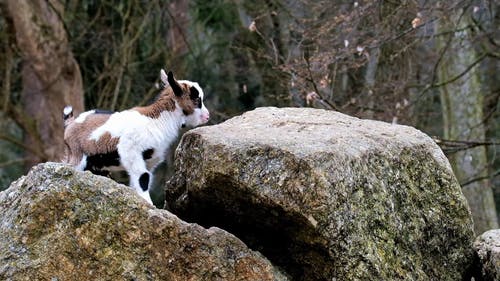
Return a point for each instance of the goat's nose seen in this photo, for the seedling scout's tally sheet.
(205, 117)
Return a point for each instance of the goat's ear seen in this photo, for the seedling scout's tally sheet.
(173, 83)
(163, 80)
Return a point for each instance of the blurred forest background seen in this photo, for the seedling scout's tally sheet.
(433, 65)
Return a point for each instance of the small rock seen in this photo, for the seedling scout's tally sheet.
(487, 247)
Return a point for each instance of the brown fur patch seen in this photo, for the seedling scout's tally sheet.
(76, 137)
(105, 144)
(185, 101)
(166, 102)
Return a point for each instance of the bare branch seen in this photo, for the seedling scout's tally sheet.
(466, 70)
(311, 79)
(6, 89)
(13, 162)
(21, 145)
(493, 175)
(452, 146)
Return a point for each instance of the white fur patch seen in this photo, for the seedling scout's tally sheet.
(163, 77)
(82, 163)
(81, 118)
(193, 84)
(67, 110)
(145, 195)
(121, 123)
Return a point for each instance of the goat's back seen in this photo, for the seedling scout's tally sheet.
(77, 134)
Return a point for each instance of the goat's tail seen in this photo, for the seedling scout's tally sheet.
(67, 115)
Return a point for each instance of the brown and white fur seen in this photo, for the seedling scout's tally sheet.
(134, 140)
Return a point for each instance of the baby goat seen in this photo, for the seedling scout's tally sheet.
(134, 140)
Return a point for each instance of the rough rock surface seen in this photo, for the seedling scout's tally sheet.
(59, 224)
(487, 247)
(324, 195)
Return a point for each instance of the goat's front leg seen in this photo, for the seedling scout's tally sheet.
(140, 177)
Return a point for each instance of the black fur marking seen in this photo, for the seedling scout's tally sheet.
(175, 86)
(195, 96)
(147, 154)
(185, 112)
(95, 163)
(193, 93)
(144, 181)
(103, 173)
(103, 111)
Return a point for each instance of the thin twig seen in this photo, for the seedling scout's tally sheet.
(496, 173)
(13, 161)
(311, 79)
(458, 76)
(464, 142)
(22, 145)
(453, 146)
(7, 77)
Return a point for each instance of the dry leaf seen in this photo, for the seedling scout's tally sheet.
(416, 22)
(252, 27)
(310, 97)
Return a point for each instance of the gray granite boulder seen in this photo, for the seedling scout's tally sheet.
(59, 224)
(326, 196)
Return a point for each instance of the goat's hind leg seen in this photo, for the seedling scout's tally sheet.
(140, 177)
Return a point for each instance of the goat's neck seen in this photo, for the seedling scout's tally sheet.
(172, 119)
(168, 123)
(165, 103)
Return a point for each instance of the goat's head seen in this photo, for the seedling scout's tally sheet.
(189, 97)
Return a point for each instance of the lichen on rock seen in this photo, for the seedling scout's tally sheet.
(60, 224)
(324, 195)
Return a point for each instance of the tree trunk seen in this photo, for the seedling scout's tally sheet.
(370, 80)
(462, 105)
(177, 35)
(50, 74)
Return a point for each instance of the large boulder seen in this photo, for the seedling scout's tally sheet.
(59, 224)
(487, 247)
(326, 196)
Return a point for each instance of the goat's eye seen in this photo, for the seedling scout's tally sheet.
(193, 93)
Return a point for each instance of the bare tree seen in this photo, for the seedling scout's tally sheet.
(462, 107)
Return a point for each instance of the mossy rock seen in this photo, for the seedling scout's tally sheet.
(324, 195)
(60, 224)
